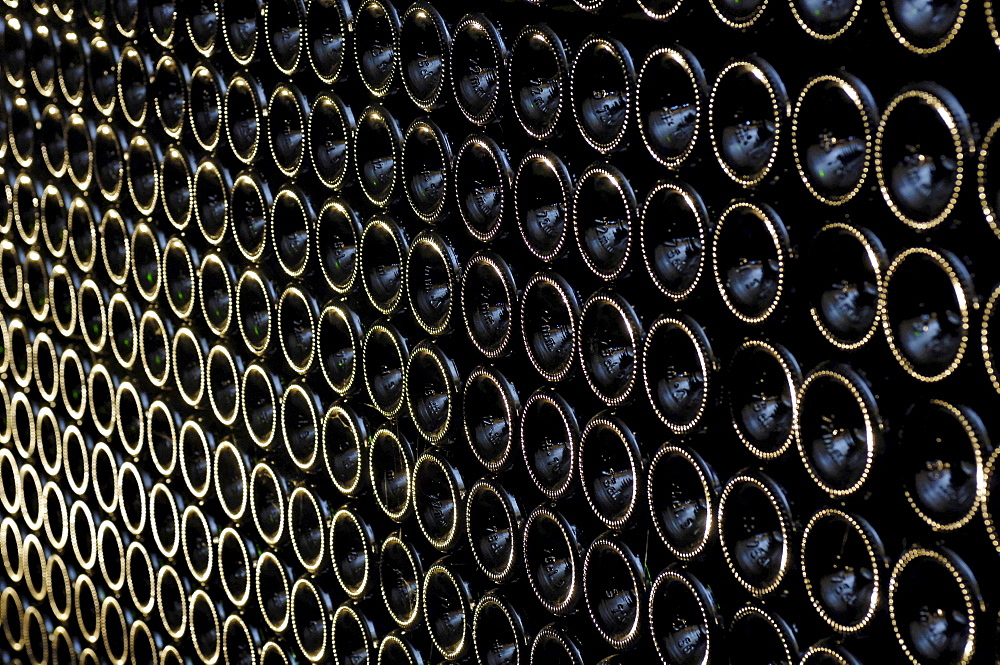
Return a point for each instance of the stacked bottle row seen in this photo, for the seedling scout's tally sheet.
(253, 249)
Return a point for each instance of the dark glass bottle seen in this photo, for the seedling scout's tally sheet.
(757, 532)
(615, 590)
(424, 43)
(477, 59)
(923, 141)
(747, 113)
(539, 81)
(838, 429)
(602, 77)
(671, 101)
(926, 311)
(832, 136)
(844, 568)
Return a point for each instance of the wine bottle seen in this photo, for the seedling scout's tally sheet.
(438, 499)
(553, 559)
(242, 21)
(179, 261)
(553, 643)
(494, 528)
(376, 45)
(298, 321)
(427, 163)
(154, 338)
(231, 477)
(308, 522)
(206, 103)
(202, 20)
(756, 531)
(198, 531)
(838, 428)
(71, 72)
(615, 590)
(132, 78)
(245, 110)
(846, 267)
(832, 134)
(338, 235)
(172, 594)
(287, 118)
(377, 151)
(610, 335)
(671, 98)
(383, 363)
(400, 578)
(123, 326)
(477, 59)
(683, 493)
(216, 280)
(330, 131)
(432, 384)
(934, 605)
(343, 433)
(602, 77)
(447, 605)
(844, 567)
(80, 150)
(52, 140)
(678, 371)
(482, 186)
(109, 161)
(498, 629)
(604, 215)
(943, 484)
(424, 43)
(432, 273)
(284, 24)
(328, 29)
(490, 408)
(352, 551)
(239, 641)
(188, 354)
(762, 636)
(255, 304)
(383, 252)
(390, 471)
(539, 80)
(212, 189)
(927, 326)
(101, 63)
(251, 204)
(272, 588)
(684, 618)
(260, 393)
(353, 635)
(163, 512)
(300, 413)
(268, 497)
(543, 192)
(489, 295)
(924, 136)
(168, 91)
(612, 470)
(750, 260)
(924, 32)
(194, 451)
(550, 312)
(396, 649)
(747, 112)
(205, 612)
(23, 116)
